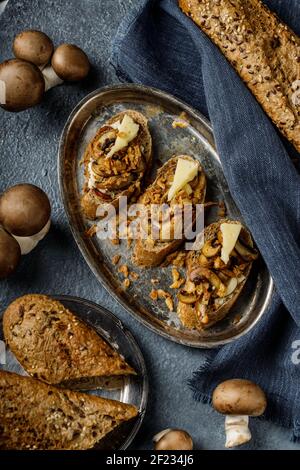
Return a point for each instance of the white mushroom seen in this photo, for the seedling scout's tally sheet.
(25, 213)
(238, 399)
(173, 439)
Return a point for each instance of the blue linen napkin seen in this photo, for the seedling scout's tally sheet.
(157, 45)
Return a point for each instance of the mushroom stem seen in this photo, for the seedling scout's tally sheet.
(50, 77)
(237, 431)
(27, 244)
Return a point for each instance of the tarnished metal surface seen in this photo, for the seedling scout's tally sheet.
(196, 140)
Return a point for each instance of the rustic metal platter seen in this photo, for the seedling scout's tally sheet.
(196, 139)
(133, 390)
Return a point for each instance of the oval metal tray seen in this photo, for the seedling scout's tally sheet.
(197, 140)
(133, 390)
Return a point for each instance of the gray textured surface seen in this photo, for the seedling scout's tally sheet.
(29, 142)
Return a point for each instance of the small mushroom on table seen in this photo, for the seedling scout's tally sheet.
(34, 46)
(21, 85)
(10, 254)
(69, 63)
(173, 439)
(25, 213)
(238, 399)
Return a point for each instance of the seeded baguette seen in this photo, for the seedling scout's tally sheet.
(55, 346)
(263, 51)
(90, 199)
(144, 254)
(188, 314)
(34, 415)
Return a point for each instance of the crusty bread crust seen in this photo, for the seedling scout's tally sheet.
(143, 254)
(261, 48)
(187, 313)
(34, 415)
(55, 346)
(90, 201)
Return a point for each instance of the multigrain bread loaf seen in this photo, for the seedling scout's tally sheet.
(34, 415)
(107, 178)
(55, 346)
(151, 252)
(212, 286)
(261, 48)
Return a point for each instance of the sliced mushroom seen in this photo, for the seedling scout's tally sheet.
(21, 85)
(186, 298)
(247, 253)
(33, 46)
(209, 251)
(203, 273)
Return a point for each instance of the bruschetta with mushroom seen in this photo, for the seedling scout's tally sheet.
(180, 181)
(215, 274)
(116, 161)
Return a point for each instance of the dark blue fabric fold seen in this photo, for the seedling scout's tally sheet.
(158, 45)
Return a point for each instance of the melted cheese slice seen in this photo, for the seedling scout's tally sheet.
(128, 130)
(186, 170)
(230, 234)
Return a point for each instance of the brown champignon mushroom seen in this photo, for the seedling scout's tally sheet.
(25, 213)
(33, 46)
(173, 439)
(10, 254)
(69, 63)
(21, 85)
(238, 399)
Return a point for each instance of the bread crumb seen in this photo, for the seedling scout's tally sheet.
(182, 121)
(124, 270)
(222, 209)
(116, 259)
(170, 303)
(175, 274)
(115, 241)
(154, 281)
(91, 232)
(134, 275)
(126, 283)
(162, 294)
(177, 284)
(153, 294)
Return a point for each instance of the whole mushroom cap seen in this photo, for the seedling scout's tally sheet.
(24, 210)
(33, 46)
(21, 85)
(239, 397)
(173, 439)
(10, 254)
(70, 63)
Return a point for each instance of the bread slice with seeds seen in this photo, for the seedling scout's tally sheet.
(264, 51)
(55, 346)
(34, 415)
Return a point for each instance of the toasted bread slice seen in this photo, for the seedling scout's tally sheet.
(212, 287)
(149, 252)
(55, 346)
(109, 178)
(34, 415)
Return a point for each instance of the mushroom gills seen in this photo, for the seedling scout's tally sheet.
(237, 430)
(27, 244)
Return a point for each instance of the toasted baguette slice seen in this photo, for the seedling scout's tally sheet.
(109, 178)
(34, 415)
(53, 345)
(149, 252)
(212, 287)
